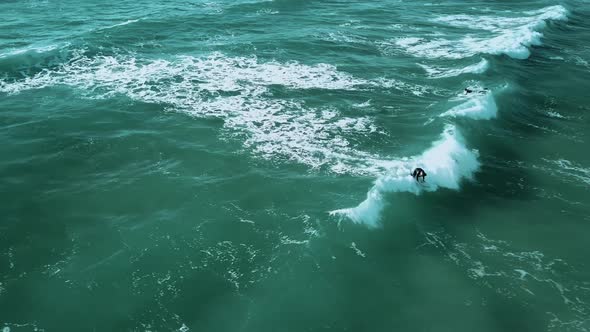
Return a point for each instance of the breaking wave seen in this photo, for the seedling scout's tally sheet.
(477, 107)
(449, 160)
(512, 36)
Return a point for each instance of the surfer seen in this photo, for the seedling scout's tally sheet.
(419, 172)
(481, 92)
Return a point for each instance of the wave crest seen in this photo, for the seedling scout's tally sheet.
(512, 36)
(448, 161)
(479, 107)
(438, 72)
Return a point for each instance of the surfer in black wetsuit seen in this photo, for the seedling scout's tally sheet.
(419, 173)
(481, 92)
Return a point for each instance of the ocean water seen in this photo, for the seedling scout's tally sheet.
(244, 165)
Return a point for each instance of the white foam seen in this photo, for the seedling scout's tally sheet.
(514, 43)
(567, 169)
(357, 250)
(556, 12)
(509, 35)
(439, 72)
(554, 114)
(36, 49)
(120, 24)
(267, 11)
(431, 48)
(237, 90)
(500, 24)
(477, 107)
(342, 37)
(447, 162)
(363, 105)
(520, 271)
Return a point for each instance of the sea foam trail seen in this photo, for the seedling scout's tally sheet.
(439, 72)
(512, 36)
(236, 90)
(32, 49)
(477, 107)
(448, 161)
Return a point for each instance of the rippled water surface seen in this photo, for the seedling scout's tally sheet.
(245, 165)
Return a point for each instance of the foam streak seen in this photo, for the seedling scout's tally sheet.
(478, 107)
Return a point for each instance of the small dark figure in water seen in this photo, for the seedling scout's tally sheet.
(484, 91)
(419, 173)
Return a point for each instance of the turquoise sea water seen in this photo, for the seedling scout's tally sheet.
(244, 165)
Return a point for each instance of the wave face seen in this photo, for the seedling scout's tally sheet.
(512, 36)
(447, 162)
(477, 107)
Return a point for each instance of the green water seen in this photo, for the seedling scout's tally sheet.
(244, 166)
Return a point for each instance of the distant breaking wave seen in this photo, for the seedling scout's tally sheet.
(512, 36)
